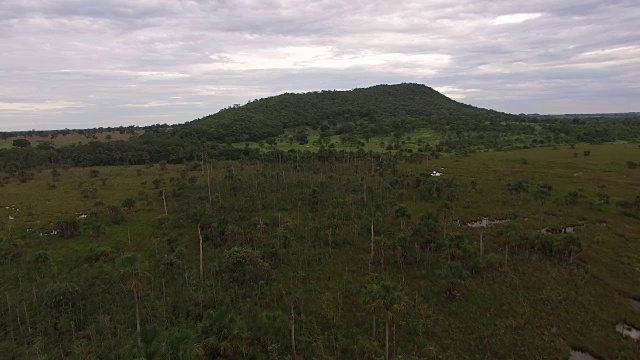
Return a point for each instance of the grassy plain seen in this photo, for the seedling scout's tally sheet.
(377, 144)
(534, 309)
(69, 139)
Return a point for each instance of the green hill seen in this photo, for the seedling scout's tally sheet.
(376, 111)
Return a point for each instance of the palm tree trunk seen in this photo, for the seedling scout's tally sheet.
(386, 339)
(135, 298)
(293, 333)
(373, 334)
(371, 257)
(201, 262)
(209, 180)
(164, 201)
(506, 254)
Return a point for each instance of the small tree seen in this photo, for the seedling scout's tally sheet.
(21, 143)
(67, 228)
(128, 204)
(508, 232)
(55, 175)
(25, 176)
(163, 165)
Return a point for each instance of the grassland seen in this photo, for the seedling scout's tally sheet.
(534, 309)
(376, 144)
(35, 206)
(69, 139)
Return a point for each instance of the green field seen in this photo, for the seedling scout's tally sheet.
(311, 223)
(376, 144)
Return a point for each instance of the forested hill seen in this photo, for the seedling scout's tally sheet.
(405, 119)
(376, 111)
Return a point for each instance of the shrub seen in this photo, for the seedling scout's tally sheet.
(244, 266)
(163, 165)
(128, 204)
(41, 257)
(88, 192)
(115, 215)
(25, 176)
(67, 228)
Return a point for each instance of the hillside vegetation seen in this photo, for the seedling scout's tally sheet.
(405, 119)
(375, 111)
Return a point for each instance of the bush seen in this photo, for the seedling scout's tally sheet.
(163, 165)
(41, 257)
(115, 214)
(25, 176)
(64, 296)
(88, 192)
(21, 143)
(128, 204)
(244, 266)
(97, 254)
(67, 228)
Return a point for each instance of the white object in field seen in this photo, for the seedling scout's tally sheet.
(11, 217)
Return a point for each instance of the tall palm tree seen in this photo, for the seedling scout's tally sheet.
(371, 303)
(391, 302)
(508, 232)
(389, 298)
(136, 288)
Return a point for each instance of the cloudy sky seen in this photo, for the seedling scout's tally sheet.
(89, 63)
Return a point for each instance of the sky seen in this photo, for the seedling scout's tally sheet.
(90, 63)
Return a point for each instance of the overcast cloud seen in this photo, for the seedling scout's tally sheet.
(80, 64)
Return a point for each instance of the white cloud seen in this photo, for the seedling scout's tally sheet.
(37, 106)
(163, 103)
(323, 57)
(515, 18)
(454, 92)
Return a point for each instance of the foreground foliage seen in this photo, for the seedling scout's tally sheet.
(361, 256)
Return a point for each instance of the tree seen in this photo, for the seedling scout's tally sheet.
(390, 299)
(163, 165)
(508, 232)
(55, 175)
(21, 143)
(244, 266)
(371, 303)
(67, 228)
(128, 204)
(136, 288)
(402, 213)
(387, 297)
